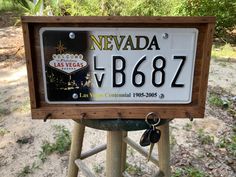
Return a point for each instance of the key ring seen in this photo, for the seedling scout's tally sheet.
(154, 117)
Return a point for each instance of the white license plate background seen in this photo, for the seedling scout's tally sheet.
(180, 42)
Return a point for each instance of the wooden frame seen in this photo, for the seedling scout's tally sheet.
(41, 110)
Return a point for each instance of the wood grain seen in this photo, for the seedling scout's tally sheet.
(116, 112)
(117, 19)
(30, 71)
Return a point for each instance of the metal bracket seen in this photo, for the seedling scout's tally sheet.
(154, 118)
(83, 115)
(189, 116)
(47, 117)
(119, 115)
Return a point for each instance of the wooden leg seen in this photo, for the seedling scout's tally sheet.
(76, 148)
(164, 150)
(124, 154)
(114, 152)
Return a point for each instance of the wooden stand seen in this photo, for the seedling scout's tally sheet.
(164, 150)
(76, 148)
(116, 153)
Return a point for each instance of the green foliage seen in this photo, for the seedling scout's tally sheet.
(232, 145)
(3, 131)
(62, 144)
(223, 51)
(62, 8)
(27, 170)
(188, 126)
(52, 8)
(111, 7)
(29, 7)
(215, 100)
(63, 139)
(188, 172)
(47, 149)
(8, 5)
(225, 103)
(98, 169)
(204, 138)
(147, 8)
(229, 144)
(223, 10)
(84, 7)
(133, 169)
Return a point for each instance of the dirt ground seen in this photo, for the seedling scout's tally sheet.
(188, 150)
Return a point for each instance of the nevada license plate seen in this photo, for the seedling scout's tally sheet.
(118, 65)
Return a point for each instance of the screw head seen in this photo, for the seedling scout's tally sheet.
(72, 35)
(161, 96)
(165, 35)
(75, 96)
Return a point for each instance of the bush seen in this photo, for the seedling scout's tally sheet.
(147, 8)
(84, 8)
(8, 5)
(110, 7)
(223, 10)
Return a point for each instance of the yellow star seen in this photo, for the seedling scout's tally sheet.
(60, 47)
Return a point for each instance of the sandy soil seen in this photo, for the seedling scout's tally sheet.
(16, 123)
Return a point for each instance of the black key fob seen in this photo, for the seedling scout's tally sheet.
(154, 135)
(144, 140)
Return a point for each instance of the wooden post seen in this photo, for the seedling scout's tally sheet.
(114, 152)
(76, 148)
(164, 150)
(124, 153)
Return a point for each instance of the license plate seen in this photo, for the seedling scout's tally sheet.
(118, 65)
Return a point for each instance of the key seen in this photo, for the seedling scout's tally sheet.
(154, 137)
(144, 140)
(150, 151)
